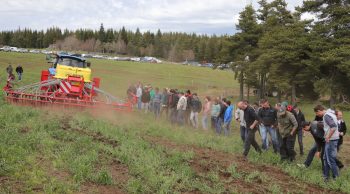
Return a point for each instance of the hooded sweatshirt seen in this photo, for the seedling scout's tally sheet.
(228, 114)
(330, 121)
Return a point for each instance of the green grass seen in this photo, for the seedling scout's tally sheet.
(63, 151)
(116, 76)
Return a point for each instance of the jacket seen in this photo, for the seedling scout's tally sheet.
(267, 116)
(228, 114)
(182, 104)
(286, 122)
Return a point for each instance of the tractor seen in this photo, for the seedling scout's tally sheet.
(67, 82)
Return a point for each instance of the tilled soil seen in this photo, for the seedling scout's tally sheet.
(207, 159)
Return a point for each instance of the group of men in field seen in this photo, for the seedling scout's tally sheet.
(283, 123)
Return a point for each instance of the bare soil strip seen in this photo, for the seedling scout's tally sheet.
(207, 159)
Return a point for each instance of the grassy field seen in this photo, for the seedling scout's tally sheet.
(52, 150)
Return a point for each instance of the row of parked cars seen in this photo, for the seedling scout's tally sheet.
(23, 50)
(96, 56)
(210, 65)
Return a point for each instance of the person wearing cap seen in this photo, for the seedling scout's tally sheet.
(287, 125)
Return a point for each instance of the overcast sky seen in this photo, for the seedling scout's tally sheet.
(199, 16)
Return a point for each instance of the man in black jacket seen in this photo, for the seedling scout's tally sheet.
(19, 71)
(268, 119)
(252, 121)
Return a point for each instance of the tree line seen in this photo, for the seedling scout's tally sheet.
(275, 51)
(172, 46)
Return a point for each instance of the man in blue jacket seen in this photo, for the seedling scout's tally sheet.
(228, 118)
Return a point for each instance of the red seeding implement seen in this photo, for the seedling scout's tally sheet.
(68, 82)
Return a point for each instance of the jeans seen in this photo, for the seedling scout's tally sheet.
(145, 106)
(139, 103)
(219, 124)
(194, 119)
(19, 76)
(226, 127)
(312, 153)
(244, 132)
(250, 140)
(156, 109)
(181, 117)
(205, 122)
(272, 131)
(300, 140)
(330, 156)
(287, 148)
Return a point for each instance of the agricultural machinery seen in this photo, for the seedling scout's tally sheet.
(67, 82)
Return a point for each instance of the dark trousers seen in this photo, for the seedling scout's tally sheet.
(173, 115)
(300, 140)
(287, 148)
(214, 121)
(250, 140)
(312, 153)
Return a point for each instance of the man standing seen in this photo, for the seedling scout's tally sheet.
(138, 95)
(181, 109)
(9, 70)
(156, 102)
(287, 125)
(19, 71)
(251, 120)
(196, 107)
(220, 121)
(331, 137)
(228, 118)
(239, 116)
(268, 118)
(300, 119)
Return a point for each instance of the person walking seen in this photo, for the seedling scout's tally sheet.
(268, 119)
(196, 107)
(220, 122)
(206, 112)
(214, 113)
(19, 71)
(316, 130)
(331, 138)
(287, 125)
(251, 120)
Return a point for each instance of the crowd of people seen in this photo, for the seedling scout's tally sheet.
(279, 125)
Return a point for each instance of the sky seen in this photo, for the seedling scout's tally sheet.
(198, 16)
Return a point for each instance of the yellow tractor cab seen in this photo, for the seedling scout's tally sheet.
(68, 65)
